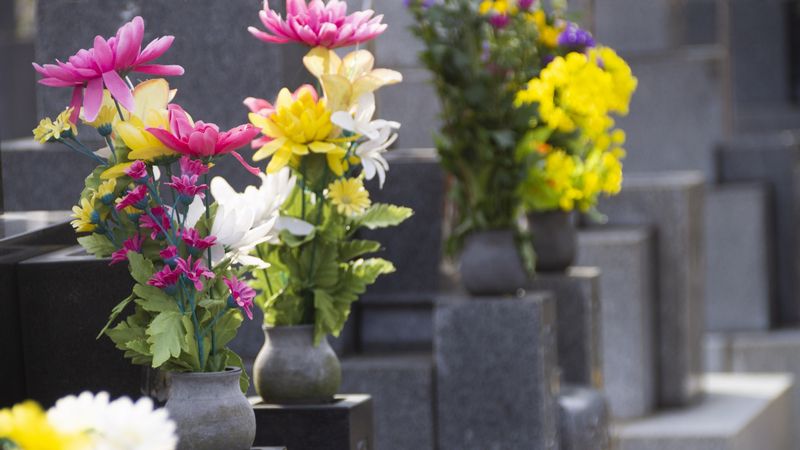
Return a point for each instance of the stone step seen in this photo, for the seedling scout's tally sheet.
(624, 256)
(738, 412)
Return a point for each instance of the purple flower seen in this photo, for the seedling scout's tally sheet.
(162, 218)
(133, 244)
(574, 38)
(186, 186)
(192, 167)
(194, 272)
(525, 4)
(499, 20)
(166, 278)
(241, 294)
(193, 239)
(135, 197)
(137, 171)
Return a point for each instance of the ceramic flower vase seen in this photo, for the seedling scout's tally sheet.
(490, 264)
(554, 239)
(210, 411)
(290, 369)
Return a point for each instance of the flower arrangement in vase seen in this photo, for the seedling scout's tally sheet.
(326, 143)
(485, 58)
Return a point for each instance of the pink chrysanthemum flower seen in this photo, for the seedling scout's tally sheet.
(194, 272)
(203, 140)
(186, 186)
(137, 170)
(193, 239)
(166, 278)
(134, 197)
(169, 254)
(192, 167)
(163, 221)
(105, 65)
(133, 244)
(242, 294)
(318, 24)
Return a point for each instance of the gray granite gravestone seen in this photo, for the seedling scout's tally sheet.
(344, 424)
(772, 158)
(496, 376)
(673, 204)
(740, 270)
(577, 294)
(625, 258)
(584, 419)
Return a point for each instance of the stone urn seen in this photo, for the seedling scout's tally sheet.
(490, 264)
(290, 369)
(210, 411)
(554, 239)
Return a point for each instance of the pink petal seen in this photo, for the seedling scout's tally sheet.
(256, 105)
(155, 49)
(179, 121)
(119, 90)
(75, 103)
(103, 54)
(295, 7)
(55, 82)
(160, 69)
(266, 37)
(247, 167)
(93, 99)
(127, 47)
(169, 140)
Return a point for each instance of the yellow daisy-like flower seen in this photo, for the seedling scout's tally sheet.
(349, 196)
(52, 130)
(85, 216)
(106, 116)
(26, 425)
(105, 192)
(152, 98)
(300, 123)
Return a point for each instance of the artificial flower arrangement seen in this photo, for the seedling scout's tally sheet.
(87, 422)
(146, 205)
(526, 101)
(327, 143)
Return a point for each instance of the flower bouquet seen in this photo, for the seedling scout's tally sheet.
(146, 205)
(324, 142)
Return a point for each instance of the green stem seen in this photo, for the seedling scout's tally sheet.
(197, 335)
(266, 273)
(111, 147)
(119, 110)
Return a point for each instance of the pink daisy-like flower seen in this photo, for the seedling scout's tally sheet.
(169, 254)
(187, 187)
(194, 272)
(166, 278)
(155, 227)
(134, 197)
(318, 24)
(133, 244)
(193, 239)
(137, 170)
(204, 140)
(192, 167)
(242, 294)
(104, 65)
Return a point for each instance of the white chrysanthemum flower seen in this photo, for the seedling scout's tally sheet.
(117, 425)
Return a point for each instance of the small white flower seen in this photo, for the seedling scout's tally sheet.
(371, 154)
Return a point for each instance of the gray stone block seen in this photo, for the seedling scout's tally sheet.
(397, 47)
(774, 159)
(649, 26)
(496, 379)
(577, 295)
(738, 263)
(739, 412)
(17, 105)
(686, 85)
(672, 203)
(396, 327)
(401, 386)
(209, 50)
(625, 258)
(584, 419)
(413, 103)
(36, 228)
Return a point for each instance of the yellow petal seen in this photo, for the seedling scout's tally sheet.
(268, 149)
(323, 147)
(320, 61)
(375, 80)
(151, 94)
(284, 99)
(337, 92)
(336, 162)
(115, 171)
(357, 64)
(257, 119)
(278, 161)
(299, 149)
(132, 136)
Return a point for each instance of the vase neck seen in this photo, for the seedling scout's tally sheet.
(200, 385)
(295, 336)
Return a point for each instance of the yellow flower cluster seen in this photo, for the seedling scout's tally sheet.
(26, 425)
(52, 130)
(501, 7)
(94, 206)
(349, 196)
(548, 33)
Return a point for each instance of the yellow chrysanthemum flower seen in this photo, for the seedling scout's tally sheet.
(51, 130)
(151, 97)
(300, 124)
(106, 116)
(85, 216)
(27, 427)
(502, 7)
(548, 34)
(349, 196)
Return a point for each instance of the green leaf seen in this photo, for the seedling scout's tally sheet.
(141, 269)
(382, 215)
(328, 318)
(153, 299)
(115, 312)
(293, 241)
(351, 249)
(165, 335)
(97, 244)
(226, 327)
(234, 360)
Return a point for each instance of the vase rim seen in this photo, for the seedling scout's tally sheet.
(306, 326)
(228, 370)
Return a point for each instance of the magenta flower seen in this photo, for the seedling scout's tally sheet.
(186, 186)
(133, 244)
(169, 254)
(193, 239)
(242, 294)
(134, 197)
(194, 272)
(166, 278)
(163, 221)
(204, 140)
(105, 65)
(137, 171)
(525, 4)
(318, 24)
(192, 167)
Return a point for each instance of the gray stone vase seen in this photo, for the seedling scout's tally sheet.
(490, 264)
(290, 369)
(210, 411)
(554, 239)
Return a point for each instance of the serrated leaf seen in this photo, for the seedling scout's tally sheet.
(97, 244)
(165, 335)
(327, 318)
(115, 312)
(293, 241)
(382, 215)
(153, 299)
(234, 360)
(141, 269)
(351, 249)
(124, 333)
(226, 327)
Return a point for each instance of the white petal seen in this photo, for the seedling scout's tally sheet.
(249, 260)
(195, 211)
(294, 225)
(343, 120)
(222, 192)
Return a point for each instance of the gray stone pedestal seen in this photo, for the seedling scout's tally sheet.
(577, 294)
(344, 424)
(496, 377)
(584, 419)
(36, 228)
